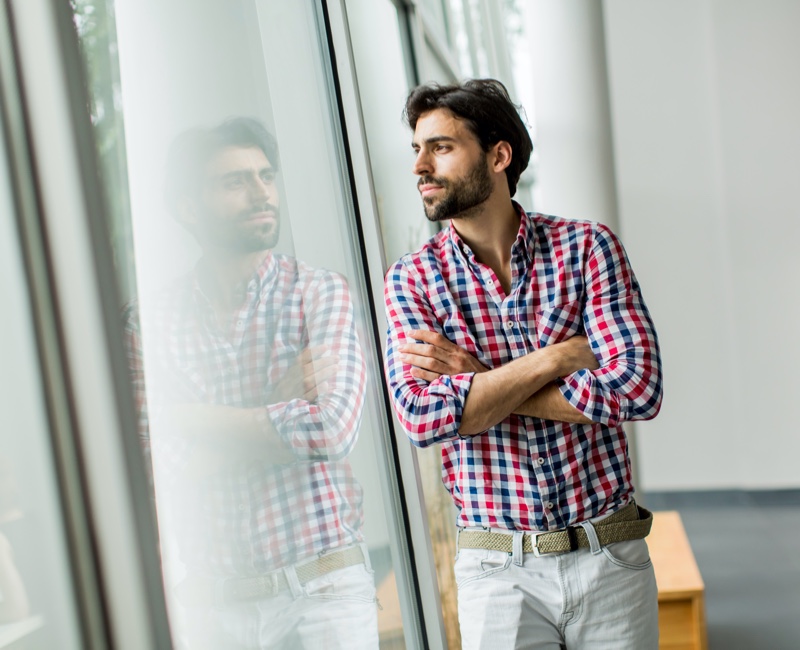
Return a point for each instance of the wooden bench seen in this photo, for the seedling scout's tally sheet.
(681, 592)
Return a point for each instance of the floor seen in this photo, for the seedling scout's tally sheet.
(747, 546)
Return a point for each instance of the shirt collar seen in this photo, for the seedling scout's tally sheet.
(263, 277)
(523, 245)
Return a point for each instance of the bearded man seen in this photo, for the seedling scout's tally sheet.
(254, 381)
(520, 343)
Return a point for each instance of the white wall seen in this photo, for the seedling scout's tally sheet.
(705, 97)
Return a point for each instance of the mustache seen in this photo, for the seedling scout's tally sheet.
(264, 207)
(432, 180)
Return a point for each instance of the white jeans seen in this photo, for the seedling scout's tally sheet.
(337, 611)
(604, 598)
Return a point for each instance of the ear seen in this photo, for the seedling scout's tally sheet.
(500, 156)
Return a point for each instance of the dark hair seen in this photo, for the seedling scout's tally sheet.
(487, 110)
(193, 149)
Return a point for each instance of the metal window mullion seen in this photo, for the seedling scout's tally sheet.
(443, 54)
(94, 374)
(416, 578)
(83, 568)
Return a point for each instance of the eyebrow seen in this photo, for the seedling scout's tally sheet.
(434, 139)
(242, 173)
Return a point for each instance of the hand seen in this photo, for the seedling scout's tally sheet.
(437, 356)
(574, 354)
(307, 377)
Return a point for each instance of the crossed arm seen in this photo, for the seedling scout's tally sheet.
(523, 386)
(311, 414)
(441, 392)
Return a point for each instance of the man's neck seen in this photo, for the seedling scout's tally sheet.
(490, 234)
(225, 275)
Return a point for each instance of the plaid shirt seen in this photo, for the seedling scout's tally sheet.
(568, 278)
(253, 516)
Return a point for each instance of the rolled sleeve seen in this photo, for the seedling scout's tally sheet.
(628, 383)
(429, 412)
(327, 428)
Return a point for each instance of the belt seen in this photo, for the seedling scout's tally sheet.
(238, 589)
(630, 522)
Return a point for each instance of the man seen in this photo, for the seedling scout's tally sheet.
(520, 343)
(255, 389)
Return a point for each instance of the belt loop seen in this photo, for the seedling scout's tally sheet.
(294, 582)
(517, 553)
(365, 553)
(591, 533)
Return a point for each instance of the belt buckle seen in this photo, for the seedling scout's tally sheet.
(534, 536)
(273, 583)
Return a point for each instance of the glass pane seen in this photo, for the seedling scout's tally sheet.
(36, 598)
(249, 347)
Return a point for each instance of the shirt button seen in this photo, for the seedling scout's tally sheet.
(510, 324)
(548, 505)
(540, 461)
(241, 507)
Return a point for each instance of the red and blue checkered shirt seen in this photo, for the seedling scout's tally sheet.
(568, 278)
(254, 516)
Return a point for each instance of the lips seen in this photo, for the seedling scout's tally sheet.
(264, 216)
(428, 189)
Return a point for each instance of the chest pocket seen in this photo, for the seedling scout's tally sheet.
(559, 323)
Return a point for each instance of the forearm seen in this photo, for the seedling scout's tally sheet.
(549, 404)
(233, 433)
(496, 394)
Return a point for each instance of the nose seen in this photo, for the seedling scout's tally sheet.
(261, 189)
(422, 163)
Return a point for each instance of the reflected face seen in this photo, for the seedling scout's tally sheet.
(238, 209)
(453, 171)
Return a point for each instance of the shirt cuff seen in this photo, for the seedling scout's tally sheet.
(453, 389)
(589, 396)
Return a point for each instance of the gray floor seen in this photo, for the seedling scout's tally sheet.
(747, 546)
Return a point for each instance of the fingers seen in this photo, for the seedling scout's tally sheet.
(433, 338)
(317, 383)
(426, 363)
(427, 375)
(425, 350)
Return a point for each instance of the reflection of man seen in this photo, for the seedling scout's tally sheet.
(255, 384)
(520, 342)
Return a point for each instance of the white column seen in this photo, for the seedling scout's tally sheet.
(572, 119)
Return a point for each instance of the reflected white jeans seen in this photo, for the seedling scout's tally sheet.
(604, 598)
(336, 611)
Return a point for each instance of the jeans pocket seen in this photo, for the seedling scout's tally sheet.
(475, 564)
(351, 583)
(631, 554)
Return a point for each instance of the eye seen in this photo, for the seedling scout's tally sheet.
(442, 148)
(233, 184)
(267, 177)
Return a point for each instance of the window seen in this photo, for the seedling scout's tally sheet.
(249, 338)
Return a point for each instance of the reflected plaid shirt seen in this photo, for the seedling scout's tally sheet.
(568, 278)
(253, 517)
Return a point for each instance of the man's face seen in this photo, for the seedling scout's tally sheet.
(238, 207)
(453, 171)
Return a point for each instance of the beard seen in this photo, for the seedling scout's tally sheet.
(240, 235)
(460, 196)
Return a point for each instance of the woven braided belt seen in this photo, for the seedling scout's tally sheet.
(630, 522)
(238, 589)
